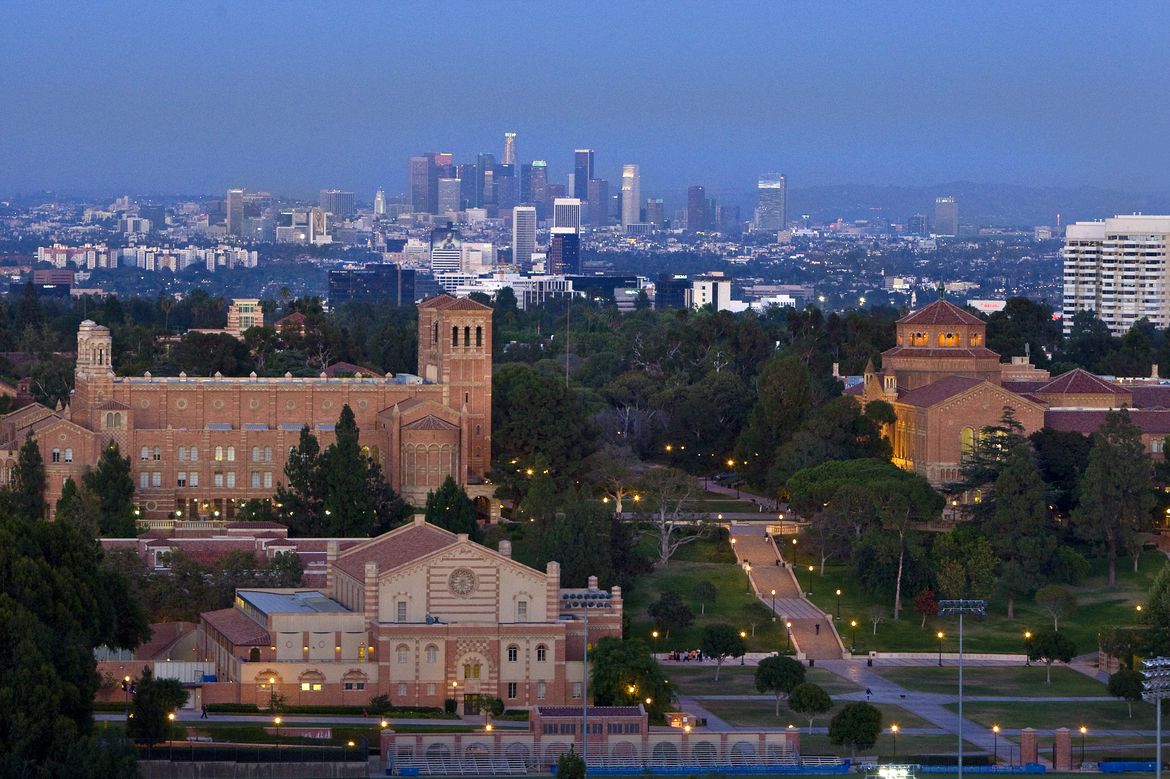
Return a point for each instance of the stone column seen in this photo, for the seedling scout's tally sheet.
(1062, 754)
(1029, 752)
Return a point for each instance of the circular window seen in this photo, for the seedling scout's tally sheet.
(253, 404)
(151, 505)
(363, 404)
(462, 581)
(327, 404)
(144, 403)
(290, 404)
(181, 403)
(217, 404)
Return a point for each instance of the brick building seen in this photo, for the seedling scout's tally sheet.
(199, 446)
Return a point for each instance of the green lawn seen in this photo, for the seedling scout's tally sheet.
(1097, 715)
(818, 744)
(1099, 606)
(1023, 681)
(760, 713)
(740, 680)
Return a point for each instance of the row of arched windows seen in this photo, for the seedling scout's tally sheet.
(466, 336)
(427, 465)
(946, 339)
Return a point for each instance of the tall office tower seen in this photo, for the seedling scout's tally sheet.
(697, 209)
(771, 202)
(418, 176)
(485, 165)
(507, 187)
(468, 176)
(337, 202)
(1118, 269)
(656, 212)
(631, 195)
(918, 225)
(564, 251)
(946, 216)
(380, 202)
(446, 250)
(727, 220)
(582, 173)
(449, 195)
(509, 148)
(523, 235)
(567, 213)
(235, 211)
(534, 184)
(598, 202)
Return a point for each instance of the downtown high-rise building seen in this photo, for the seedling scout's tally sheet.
(446, 250)
(450, 195)
(567, 213)
(1119, 269)
(582, 173)
(946, 216)
(771, 202)
(534, 185)
(423, 174)
(336, 202)
(509, 148)
(598, 201)
(631, 195)
(523, 235)
(656, 212)
(697, 209)
(485, 170)
(564, 251)
(468, 175)
(234, 208)
(918, 225)
(380, 202)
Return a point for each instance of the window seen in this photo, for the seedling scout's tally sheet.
(311, 686)
(431, 688)
(268, 479)
(403, 653)
(513, 653)
(156, 479)
(541, 653)
(56, 455)
(143, 480)
(231, 479)
(194, 455)
(193, 478)
(511, 689)
(255, 454)
(432, 654)
(219, 454)
(471, 670)
(217, 479)
(479, 336)
(400, 607)
(353, 685)
(231, 454)
(68, 455)
(182, 454)
(521, 611)
(181, 479)
(454, 336)
(540, 691)
(255, 478)
(144, 454)
(268, 454)
(576, 689)
(467, 336)
(156, 454)
(402, 689)
(435, 333)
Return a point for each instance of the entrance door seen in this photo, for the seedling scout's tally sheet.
(471, 703)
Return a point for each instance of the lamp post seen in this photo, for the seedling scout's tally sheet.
(742, 637)
(788, 625)
(773, 605)
(747, 568)
(852, 636)
(960, 607)
(838, 603)
(1083, 730)
(810, 575)
(276, 721)
(995, 744)
(1156, 688)
(1027, 647)
(894, 733)
(126, 689)
(585, 602)
(940, 645)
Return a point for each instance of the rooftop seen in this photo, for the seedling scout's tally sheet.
(941, 312)
(304, 602)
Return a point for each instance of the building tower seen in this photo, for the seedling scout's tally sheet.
(631, 195)
(582, 173)
(235, 211)
(598, 202)
(446, 250)
(946, 216)
(336, 202)
(772, 202)
(523, 235)
(564, 251)
(567, 213)
(380, 202)
(696, 209)
(93, 382)
(509, 148)
(449, 195)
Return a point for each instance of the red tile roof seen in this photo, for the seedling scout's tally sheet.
(1087, 422)
(940, 312)
(236, 627)
(1021, 387)
(398, 547)
(457, 304)
(938, 391)
(1150, 395)
(430, 422)
(1080, 382)
(941, 352)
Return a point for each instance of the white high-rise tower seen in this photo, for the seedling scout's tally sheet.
(631, 195)
(509, 148)
(772, 202)
(523, 235)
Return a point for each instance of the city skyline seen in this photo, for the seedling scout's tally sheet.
(1009, 105)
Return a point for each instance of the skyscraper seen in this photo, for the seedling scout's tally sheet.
(418, 177)
(772, 202)
(656, 212)
(534, 184)
(336, 202)
(380, 202)
(468, 176)
(564, 251)
(523, 235)
(485, 188)
(918, 224)
(946, 216)
(631, 195)
(446, 250)
(507, 187)
(582, 173)
(599, 202)
(235, 211)
(697, 209)
(567, 213)
(509, 148)
(450, 191)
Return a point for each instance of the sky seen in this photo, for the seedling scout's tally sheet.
(291, 97)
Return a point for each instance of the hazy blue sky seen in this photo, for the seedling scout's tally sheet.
(292, 96)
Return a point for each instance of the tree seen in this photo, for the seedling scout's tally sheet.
(1116, 489)
(1061, 458)
(926, 605)
(534, 413)
(667, 494)
(1057, 601)
(570, 765)
(810, 700)
(79, 506)
(578, 538)
(721, 641)
(1049, 646)
(26, 491)
(114, 488)
(1156, 615)
(1127, 685)
(348, 509)
(705, 593)
(857, 724)
(612, 471)
(450, 508)
(988, 454)
(669, 612)
(625, 673)
(784, 397)
(300, 502)
(965, 563)
(154, 700)
(876, 614)
(779, 675)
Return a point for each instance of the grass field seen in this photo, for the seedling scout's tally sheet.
(740, 680)
(761, 714)
(1099, 606)
(907, 745)
(1098, 715)
(1023, 681)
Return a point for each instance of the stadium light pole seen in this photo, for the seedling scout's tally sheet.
(1156, 688)
(960, 607)
(584, 602)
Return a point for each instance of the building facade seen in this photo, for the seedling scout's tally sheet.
(419, 614)
(772, 202)
(631, 195)
(198, 447)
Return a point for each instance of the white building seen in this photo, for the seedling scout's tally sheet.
(524, 234)
(478, 257)
(712, 290)
(631, 195)
(567, 213)
(1119, 269)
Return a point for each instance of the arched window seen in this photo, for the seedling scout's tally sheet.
(144, 454)
(948, 339)
(68, 455)
(157, 454)
(432, 654)
(56, 456)
(467, 336)
(254, 655)
(268, 454)
(255, 454)
(478, 336)
(402, 652)
(513, 653)
(118, 419)
(967, 441)
(219, 454)
(194, 454)
(541, 653)
(435, 333)
(974, 340)
(231, 454)
(454, 336)
(182, 454)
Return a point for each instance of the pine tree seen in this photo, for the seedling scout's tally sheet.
(110, 482)
(450, 508)
(78, 506)
(988, 454)
(299, 504)
(27, 490)
(348, 509)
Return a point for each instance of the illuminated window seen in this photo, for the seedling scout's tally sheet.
(219, 454)
(68, 455)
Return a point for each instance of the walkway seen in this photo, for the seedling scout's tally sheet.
(812, 629)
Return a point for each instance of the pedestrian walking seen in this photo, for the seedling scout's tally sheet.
(868, 693)
(818, 629)
(203, 711)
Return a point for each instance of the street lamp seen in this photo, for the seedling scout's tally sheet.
(810, 575)
(940, 644)
(276, 721)
(743, 637)
(1027, 647)
(773, 605)
(1083, 730)
(747, 568)
(853, 636)
(995, 744)
(788, 625)
(838, 603)
(894, 732)
(126, 689)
